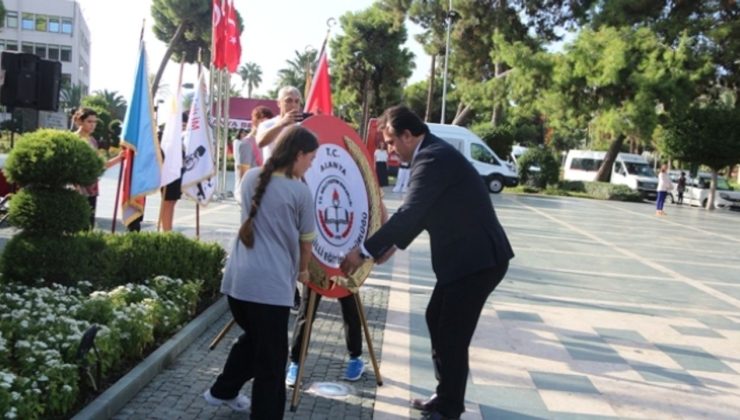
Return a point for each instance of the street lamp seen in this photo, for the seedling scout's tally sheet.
(451, 14)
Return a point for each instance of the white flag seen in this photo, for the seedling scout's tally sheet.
(198, 180)
(172, 141)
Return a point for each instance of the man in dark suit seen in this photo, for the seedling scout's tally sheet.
(470, 252)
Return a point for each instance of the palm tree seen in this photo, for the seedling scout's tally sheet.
(251, 75)
(116, 105)
(71, 96)
(298, 69)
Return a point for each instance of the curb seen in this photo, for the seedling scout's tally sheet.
(114, 398)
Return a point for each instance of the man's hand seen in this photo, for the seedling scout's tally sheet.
(291, 117)
(351, 262)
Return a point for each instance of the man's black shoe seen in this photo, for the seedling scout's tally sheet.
(436, 415)
(425, 405)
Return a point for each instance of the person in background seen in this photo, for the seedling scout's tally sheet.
(289, 102)
(681, 187)
(470, 254)
(402, 180)
(86, 120)
(664, 185)
(240, 135)
(271, 252)
(172, 192)
(246, 152)
(381, 164)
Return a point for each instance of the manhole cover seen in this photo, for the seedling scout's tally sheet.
(331, 390)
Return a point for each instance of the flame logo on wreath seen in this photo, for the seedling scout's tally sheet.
(336, 221)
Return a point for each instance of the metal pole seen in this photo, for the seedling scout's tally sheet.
(447, 57)
(219, 103)
(227, 100)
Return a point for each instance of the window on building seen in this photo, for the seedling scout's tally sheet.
(66, 54)
(27, 48)
(12, 19)
(11, 45)
(27, 21)
(41, 23)
(54, 24)
(66, 79)
(53, 52)
(67, 26)
(41, 50)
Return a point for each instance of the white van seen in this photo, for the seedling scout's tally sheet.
(494, 171)
(631, 170)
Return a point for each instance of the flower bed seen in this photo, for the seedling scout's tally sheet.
(41, 374)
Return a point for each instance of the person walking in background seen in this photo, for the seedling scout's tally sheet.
(681, 187)
(402, 180)
(86, 120)
(271, 252)
(381, 164)
(664, 185)
(470, 251)
(240, 135)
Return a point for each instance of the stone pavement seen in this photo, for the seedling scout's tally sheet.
(607, 312)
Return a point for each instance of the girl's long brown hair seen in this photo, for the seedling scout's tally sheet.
(290, 142)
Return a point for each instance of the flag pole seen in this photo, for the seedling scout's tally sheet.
(219, 128)
(227, 100)
(197, 203)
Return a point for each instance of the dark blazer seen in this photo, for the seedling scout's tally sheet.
(447, 198)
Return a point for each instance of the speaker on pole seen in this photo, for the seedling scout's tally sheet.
(19, 86)
(48, 82)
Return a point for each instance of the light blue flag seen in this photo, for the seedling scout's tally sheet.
(139, 134)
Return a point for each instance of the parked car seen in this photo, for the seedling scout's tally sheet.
(629, 169)
(495, 172)
(697, 192)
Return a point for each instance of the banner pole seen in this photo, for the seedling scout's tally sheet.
(118, 197)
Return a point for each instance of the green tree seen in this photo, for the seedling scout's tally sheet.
(705, 135)
(251, 74)
(431, 16)
(370, 65)
(70, 96)
(297, 70)
(113, 102)
(2, 13)
(185, 26)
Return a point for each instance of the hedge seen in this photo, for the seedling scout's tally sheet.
(108, 260)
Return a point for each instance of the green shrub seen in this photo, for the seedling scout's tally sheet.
(49, 211)
(53, 158)
(574, 186)
(547, 163)
(607, 191)
(111, 260)
(500, 138)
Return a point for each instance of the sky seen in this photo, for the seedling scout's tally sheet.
(273, 31)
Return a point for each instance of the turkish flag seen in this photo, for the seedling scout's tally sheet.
(319, 97)
(232, 45)
(218, 32)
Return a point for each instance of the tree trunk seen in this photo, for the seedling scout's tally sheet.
(463, 112)
(605, 171)
(249, 90)
(712, 190)
(175, 38)
(430, 90)
(497, 115)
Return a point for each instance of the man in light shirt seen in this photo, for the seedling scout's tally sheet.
(289, 102)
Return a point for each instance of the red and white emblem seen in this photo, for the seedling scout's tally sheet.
(341, 203)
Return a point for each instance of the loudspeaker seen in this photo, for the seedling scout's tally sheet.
(19, 87)
(48, 82)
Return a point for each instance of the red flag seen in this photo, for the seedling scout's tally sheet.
(131, 208)
(319, 97)
(218, 32)
(233, 46)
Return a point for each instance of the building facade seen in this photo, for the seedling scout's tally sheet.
(53, 30)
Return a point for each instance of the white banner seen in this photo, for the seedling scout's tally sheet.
(198, 180)
(171, 142)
